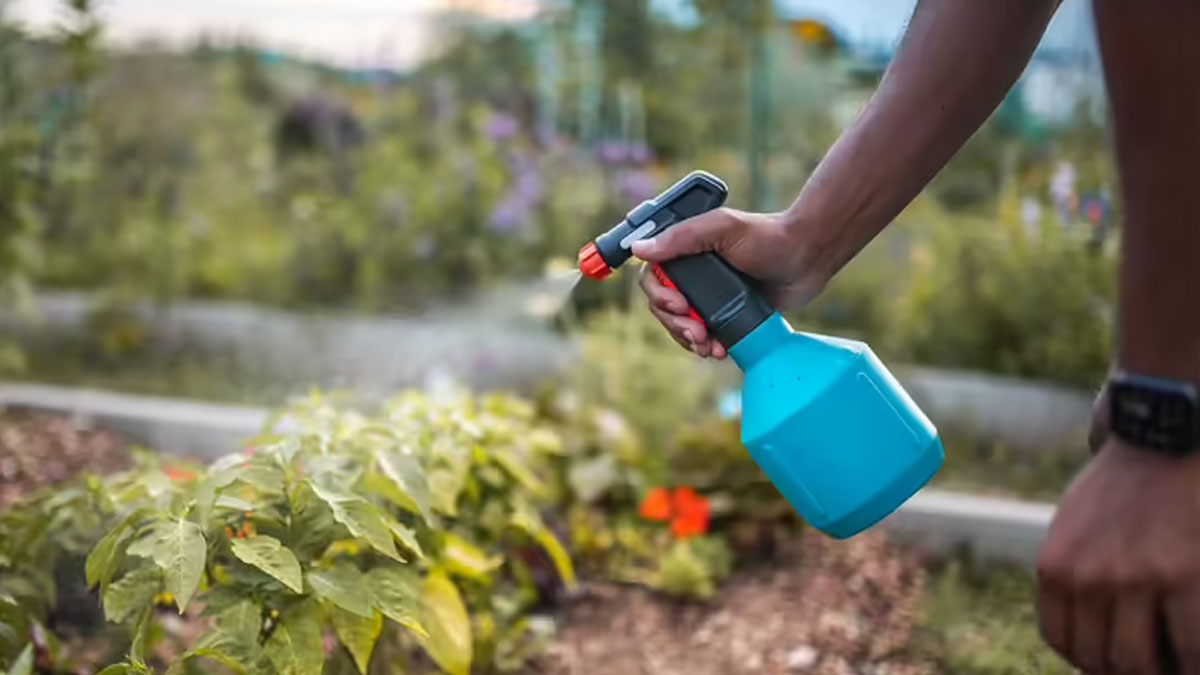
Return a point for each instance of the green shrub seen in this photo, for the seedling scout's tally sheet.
(987, 295)
(424, 515)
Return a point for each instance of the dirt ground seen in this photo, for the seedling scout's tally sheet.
(39, 450)
(827, 608)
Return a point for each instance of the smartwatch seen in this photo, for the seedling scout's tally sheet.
(1155, 413)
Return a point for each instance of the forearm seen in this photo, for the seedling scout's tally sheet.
(957, 61)
(1152, 58)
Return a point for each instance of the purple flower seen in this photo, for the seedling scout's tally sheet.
(639, 153)
(528, 186)
(501, 127)
(509, 215)
(636, 186)
(611, 152)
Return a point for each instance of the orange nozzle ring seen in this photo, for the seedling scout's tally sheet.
(591, 264)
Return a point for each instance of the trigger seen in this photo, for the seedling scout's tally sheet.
(666, 281)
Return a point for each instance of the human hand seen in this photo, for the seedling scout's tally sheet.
(1119, 574)
(763, 246)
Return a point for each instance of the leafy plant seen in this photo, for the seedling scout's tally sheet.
(404, 532)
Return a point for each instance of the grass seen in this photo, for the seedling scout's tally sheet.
(981, 620)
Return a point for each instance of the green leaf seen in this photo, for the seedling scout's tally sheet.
(361, 518)
(234, 640)
(467, 560)
(117, 669)
(24, 663)
(592, 478)
(262, 476)
(445, 618)
(296, 645)
(137, 646)
(102, 559)
(178, 548)
(271, 556)
(445, 486)
(404, 535)
(511, 463)
(231, 502)
(358, 634)
(343, 586)
(130, 593)
(403, 471)
(528, 522)
(396, 591)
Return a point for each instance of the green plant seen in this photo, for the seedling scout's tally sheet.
(426, 514)
(980, 620)
(987, 294)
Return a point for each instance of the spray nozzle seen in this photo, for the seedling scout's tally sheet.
(592, 264)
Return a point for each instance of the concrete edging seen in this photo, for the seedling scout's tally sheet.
(935, 520)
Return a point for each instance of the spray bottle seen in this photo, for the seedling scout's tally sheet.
(832, 429)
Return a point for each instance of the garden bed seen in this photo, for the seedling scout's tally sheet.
(41, 450)
(816, 606)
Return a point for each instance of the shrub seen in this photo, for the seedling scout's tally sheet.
(426, 515)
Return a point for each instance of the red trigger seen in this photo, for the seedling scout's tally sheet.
(666, 281)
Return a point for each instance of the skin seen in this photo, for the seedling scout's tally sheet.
(1119, 573)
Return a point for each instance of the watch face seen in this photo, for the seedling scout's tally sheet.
(1155, 414)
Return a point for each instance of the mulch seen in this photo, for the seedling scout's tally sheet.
(40, 450)
(826, 608)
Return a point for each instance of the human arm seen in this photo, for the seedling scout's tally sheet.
(1119, 575)
(956, 62)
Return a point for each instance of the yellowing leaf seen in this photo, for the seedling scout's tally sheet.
(271, 556)
(467, 560)
(396, 591)
(361, 518)
(178, 548)
(343, 586)
(358, 634)
(529, 523)
(296, 645)
(129, 594)
(445, 618)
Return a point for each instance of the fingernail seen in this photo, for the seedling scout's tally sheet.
(644, 246)
(687, 335)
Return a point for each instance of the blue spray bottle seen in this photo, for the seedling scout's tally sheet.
(830, 426)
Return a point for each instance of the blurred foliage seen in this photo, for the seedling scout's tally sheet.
(993, 295)
(228, 173)
(982, 620)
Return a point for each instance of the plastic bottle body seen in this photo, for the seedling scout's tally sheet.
(831, 427)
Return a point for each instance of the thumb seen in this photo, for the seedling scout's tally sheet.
(705, 232)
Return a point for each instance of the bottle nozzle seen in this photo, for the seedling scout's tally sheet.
(592, 264)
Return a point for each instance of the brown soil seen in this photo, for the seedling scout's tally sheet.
(40, 450)
(828, 608)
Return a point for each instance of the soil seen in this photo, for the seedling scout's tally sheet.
(826, 608)
(40, 450)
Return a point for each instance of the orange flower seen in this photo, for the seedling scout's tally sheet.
(691, 514)
(686, 510)
(656, 505)
(179, 475)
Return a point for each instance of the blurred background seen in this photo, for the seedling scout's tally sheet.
(235, 201)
